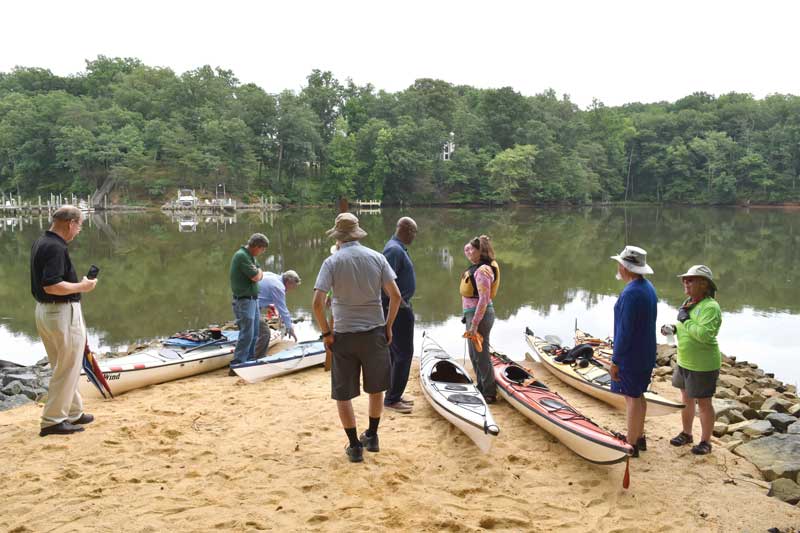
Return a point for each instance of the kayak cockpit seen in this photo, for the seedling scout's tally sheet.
(447, 372)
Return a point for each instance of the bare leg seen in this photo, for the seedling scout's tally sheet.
(375, 406)
(687, 413)
(706, 418)
(635, 416)
(346, 414)
(643, 408)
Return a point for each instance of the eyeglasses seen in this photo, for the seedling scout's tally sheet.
(690, 280)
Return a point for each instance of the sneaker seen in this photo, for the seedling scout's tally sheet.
(407, 401)
(354, 453)
(370, 442)
(62, 428)
(85, 418)
(641, 443)
(399, 407)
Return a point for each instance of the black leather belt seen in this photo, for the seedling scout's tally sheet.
(245, 297)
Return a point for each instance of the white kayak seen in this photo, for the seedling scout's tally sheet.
(303, 355)
(453, 394)
(594, 380)
(160, 364)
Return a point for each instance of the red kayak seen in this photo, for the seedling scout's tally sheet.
(553, 414)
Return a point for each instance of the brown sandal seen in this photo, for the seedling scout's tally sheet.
(681, 439)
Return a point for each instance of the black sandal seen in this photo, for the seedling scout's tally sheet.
(681, 439)
(702, 449)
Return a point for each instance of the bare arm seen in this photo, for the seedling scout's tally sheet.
(318, 307)
(258, 276)
(65, 288)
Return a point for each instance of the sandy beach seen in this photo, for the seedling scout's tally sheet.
(212, 452)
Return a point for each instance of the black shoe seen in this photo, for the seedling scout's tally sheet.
(370, 443)
(63, 428)
(490, 399)
(641, 443)
(354, 453)
(85, 418)
(635, 453)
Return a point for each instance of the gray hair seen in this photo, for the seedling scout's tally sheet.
(67, 213)
(291, 275)
(258, 240)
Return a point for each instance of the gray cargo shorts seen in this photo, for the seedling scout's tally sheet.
(697, 384)
(354, 353)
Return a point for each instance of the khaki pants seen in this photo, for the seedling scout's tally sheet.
(63, 333)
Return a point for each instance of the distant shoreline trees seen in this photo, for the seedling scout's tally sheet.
(150, 130)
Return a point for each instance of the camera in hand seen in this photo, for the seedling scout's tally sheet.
(93, 271)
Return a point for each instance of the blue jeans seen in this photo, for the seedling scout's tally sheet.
(401, 352)
(246, 313)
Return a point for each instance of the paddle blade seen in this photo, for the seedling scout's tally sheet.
(93, 372)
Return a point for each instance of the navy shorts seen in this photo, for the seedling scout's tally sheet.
(631, 384)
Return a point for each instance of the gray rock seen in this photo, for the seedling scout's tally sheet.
(10, 402)
(725, 394)
(751, 414)
(758, 428)
(794, 410)
(17, 387)
(720, 429)
(794, 429)
(777, 403)
(775, 456)
(781, 421)
(723, 407)
(785, 490)
(736, 416)
(663, 371)
(733, 383)
(27, 378)
(764, 413)
(732, 444)
(723, 420)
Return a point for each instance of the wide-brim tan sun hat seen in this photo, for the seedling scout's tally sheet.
(700, 271)
(634, 259)
(346, 228)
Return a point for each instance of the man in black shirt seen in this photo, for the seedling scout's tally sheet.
(59, 321)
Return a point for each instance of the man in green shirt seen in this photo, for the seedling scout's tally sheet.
(245, 276)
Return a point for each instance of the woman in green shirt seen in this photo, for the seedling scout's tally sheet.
(699, 359)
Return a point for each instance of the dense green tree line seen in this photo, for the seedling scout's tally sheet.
(149, 130)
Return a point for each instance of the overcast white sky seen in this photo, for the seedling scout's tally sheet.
(616, 51)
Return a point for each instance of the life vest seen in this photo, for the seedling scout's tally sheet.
(468, 288)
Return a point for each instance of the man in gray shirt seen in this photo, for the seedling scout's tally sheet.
(360, 342)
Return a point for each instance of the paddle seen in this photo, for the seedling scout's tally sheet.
(94, 373)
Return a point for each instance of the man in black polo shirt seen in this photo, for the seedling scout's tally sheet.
(245, 276)
(59, 321)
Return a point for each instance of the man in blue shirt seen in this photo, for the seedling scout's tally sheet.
(272, 290)
(634, 340)
(401, 349)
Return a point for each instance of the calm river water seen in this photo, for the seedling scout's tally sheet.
(160, 274)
